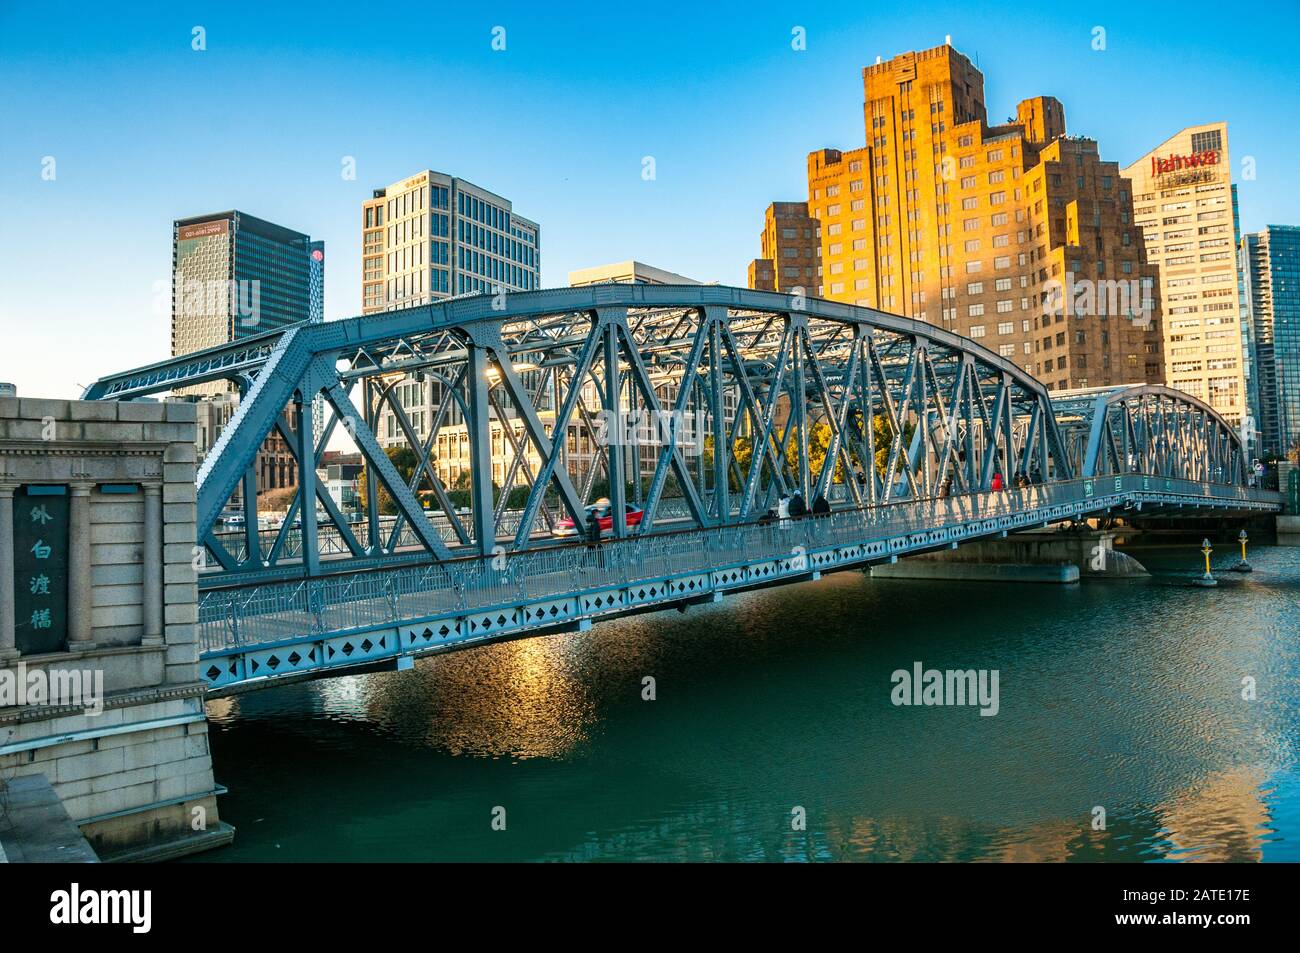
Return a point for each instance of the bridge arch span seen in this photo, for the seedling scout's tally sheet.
(1148, 428)
(484, 422)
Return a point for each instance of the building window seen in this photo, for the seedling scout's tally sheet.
(1211, 141)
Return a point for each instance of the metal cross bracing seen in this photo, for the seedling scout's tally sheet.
(710, 401)
(904, 427)
(1147, 428)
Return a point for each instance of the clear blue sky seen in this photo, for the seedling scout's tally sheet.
(143, 129)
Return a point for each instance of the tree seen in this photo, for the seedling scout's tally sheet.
(819, 442)
(278, 499)
(404, 460)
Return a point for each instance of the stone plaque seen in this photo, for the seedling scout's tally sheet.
(41, 569)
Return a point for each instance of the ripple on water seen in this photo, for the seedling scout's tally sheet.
(1125, 697)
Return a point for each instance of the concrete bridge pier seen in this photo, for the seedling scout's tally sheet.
(100, 690)
(1051, 555)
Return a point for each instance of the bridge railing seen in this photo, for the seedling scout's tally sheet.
(244, 615)
(329, 541)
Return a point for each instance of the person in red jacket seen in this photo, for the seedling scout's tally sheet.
(997, 479)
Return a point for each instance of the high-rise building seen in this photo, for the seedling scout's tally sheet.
(1015, 235)
(433, 235)
(791, 247)
(429, 237)
(1186, 205)
(316, 281)
(1270, 268)
(235, 275)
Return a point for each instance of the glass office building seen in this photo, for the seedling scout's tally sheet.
(1270, 267)
(235, 275)
(316, 281)
(433, 236)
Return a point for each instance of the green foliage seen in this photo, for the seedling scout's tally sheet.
(404, 460)
(819, 441)
(600, 490)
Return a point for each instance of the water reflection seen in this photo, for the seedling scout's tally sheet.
(516, 699)
(1122, 695)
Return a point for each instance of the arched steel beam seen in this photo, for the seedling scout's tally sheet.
(945, 400)
(1150, 427)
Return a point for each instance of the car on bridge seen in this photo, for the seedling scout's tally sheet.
(604, 513)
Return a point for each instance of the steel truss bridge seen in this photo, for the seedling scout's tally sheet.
(710, 401)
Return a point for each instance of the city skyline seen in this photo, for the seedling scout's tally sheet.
(551, 525)
(593, 200)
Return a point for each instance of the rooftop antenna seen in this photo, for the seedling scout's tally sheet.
(947, 39)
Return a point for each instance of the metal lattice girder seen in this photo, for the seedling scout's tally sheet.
(752, 394)
(284, 373)
(377, 460)
(224, 362)
(1148, 428)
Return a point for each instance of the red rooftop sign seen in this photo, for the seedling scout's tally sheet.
(1180, 163)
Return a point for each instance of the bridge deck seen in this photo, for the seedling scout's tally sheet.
(252, 634)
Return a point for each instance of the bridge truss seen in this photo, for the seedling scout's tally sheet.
(1147, 428)
(711, 401)
(748, 395)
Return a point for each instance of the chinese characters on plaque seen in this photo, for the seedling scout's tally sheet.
(41, 569)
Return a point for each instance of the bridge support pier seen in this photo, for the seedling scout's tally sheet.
(1038, 555)
(100, 690)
